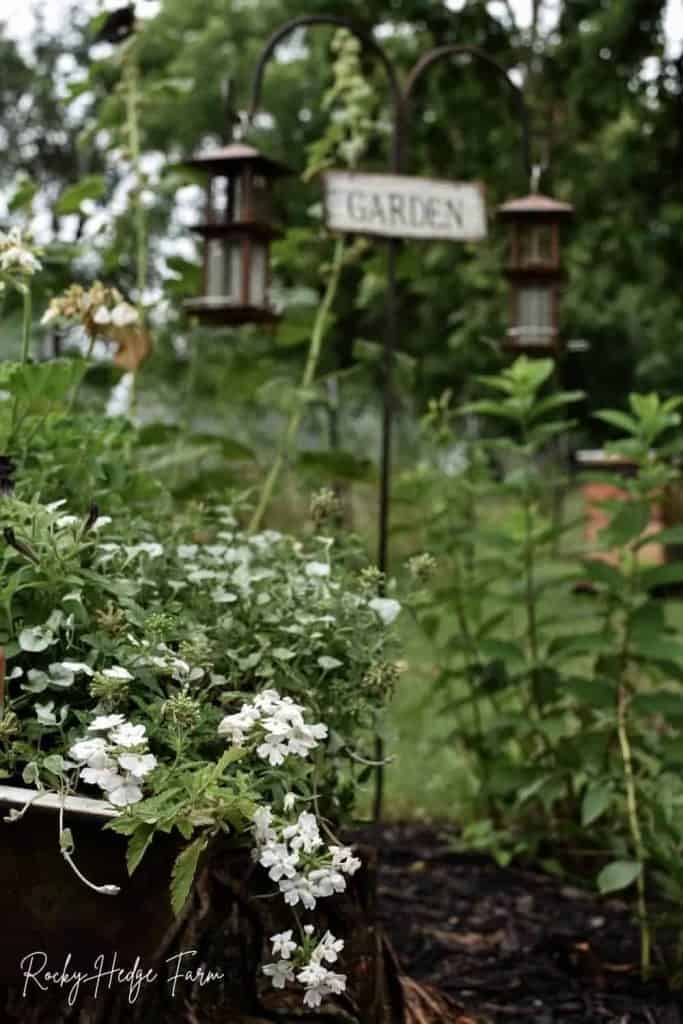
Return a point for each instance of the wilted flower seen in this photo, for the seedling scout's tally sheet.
(422, 567)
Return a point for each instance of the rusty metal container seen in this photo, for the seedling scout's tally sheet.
(44, 908)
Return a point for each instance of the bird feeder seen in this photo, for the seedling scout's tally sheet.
(237, 231)
(535, 272)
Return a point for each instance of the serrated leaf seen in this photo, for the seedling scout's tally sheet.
(137, 845)
(184, 871)
(618, 875)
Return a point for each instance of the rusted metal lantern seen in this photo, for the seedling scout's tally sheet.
(237, 231)
(535, 272)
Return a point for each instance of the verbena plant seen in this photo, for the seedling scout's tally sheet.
(199, 679)
(562, 671)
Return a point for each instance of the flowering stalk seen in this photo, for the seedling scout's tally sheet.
(131, 83)
(312, 361)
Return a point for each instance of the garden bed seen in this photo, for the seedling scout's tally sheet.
(510, 944)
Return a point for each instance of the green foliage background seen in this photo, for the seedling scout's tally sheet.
(608, 126)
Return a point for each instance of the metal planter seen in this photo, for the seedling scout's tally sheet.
(44, 908)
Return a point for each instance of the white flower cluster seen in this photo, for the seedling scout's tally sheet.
(117, 763)
(276, 725)
(295, 857)
(307, 965)
(16, 255)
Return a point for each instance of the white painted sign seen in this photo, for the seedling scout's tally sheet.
(398, 206)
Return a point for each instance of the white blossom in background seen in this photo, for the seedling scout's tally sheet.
(16, 255)
(386, 607)
(120, 402)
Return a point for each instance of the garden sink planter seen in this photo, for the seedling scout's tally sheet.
(43, 905)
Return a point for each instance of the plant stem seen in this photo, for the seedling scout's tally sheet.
(315, 348)
(132, 92)
(636, 834)
(26, 325)
(25, 351)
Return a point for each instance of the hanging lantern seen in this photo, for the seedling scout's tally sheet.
(535, 272)
(237, 233)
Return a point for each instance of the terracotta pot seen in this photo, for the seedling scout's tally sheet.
(45, 908)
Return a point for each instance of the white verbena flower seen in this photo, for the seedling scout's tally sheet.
(304, 834)
(320, 982)
(283, 945)
(106, 778)
(328, 949)
(279, 973)
(125, 795)
(279, 861)
(138, 765)
(344, 860)
(128, 735)
(103, 723)
(298, 890)
(88, 749)
(263, 822)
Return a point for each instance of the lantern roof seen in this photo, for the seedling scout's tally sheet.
(535, 205)
(235, 155)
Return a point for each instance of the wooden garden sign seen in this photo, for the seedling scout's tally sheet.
(398, 206)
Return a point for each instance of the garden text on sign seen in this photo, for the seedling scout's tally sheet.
(404, 207)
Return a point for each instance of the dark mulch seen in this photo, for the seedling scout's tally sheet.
(511, 944)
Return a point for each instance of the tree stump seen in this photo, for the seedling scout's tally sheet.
(203, 968)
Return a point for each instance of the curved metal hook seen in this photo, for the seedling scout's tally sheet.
(454, 50)
(366, 40)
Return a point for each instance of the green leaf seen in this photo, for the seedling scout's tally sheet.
(23, 195)
(673, 535)
(618, 875)
(662, 702)
(337, 465)
(184, 871)
(595, 692)
(137, 845)
(662, 575)
(621, 420)
(598, 571)
(595, 802)
(657, 648)
(93, 186)
(629, 521)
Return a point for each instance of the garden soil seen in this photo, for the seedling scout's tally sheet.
(508, 944)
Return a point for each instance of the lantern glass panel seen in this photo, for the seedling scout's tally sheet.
(224, 270)
(260, 198)
(258, 274)
(219, 198)
(536, 245)
(535, 315)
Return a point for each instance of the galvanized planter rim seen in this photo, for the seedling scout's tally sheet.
(18, 796)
